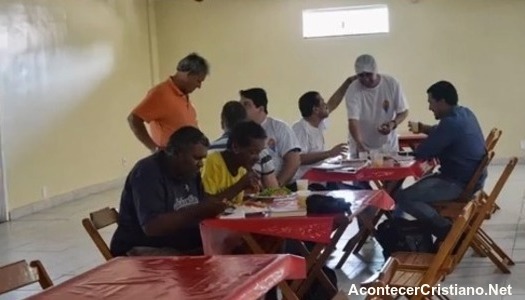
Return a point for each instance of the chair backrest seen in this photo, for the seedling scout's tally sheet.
(97, 220)
(492, 139)
(20, 273)
(469, 190)
(432, 275)
(485, 202)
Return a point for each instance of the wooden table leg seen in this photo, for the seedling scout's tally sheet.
(390, 187)
(367, 229)
(254, 246)
(347, 250)
(315, 262)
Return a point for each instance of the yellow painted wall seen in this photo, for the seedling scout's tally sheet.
(478, 45)
(71, 72)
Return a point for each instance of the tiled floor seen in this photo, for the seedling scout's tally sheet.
(57, 238)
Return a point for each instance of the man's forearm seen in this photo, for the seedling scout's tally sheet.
(270, 181)
(338, 95)
(424, 128)
(314, 157)
(353, 127)
(401, 117)
(291, 163)
(230, 192)
(169, 223)
(141, 133)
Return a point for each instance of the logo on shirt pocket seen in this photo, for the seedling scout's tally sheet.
(271, 144)
(386, 105)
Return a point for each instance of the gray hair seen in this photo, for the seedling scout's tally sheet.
(193, 64)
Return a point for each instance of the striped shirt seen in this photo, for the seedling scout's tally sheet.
(265, 165)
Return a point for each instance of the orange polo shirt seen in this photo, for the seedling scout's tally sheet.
(166, 109)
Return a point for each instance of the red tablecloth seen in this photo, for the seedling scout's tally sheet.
(181, 278)
(400, 172)
(220, 236)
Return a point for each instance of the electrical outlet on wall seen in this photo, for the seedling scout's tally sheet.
(124, 162)
(522, 144)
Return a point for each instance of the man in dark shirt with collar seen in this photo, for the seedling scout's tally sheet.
(163, 200)
(458, 142)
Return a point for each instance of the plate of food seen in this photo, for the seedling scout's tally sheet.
(273, 193)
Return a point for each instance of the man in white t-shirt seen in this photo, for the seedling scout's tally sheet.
(282, 142)
(375, 105)
(310, 129)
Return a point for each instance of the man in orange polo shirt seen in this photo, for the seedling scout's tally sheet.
(167, 106)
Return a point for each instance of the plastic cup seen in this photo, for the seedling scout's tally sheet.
(377, 158)
(414, 126)
(363, 155)
(302, 184)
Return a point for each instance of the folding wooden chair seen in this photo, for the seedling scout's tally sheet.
(355, 244)
(482, 242)
(490, 143)
(469, 190)
(475, 236)
(19, 274)
(452, 208)
(422, 261)
(492, 139)
(96, 221)
(394, 275)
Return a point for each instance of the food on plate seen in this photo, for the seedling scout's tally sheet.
(255, 203)
(272, 192)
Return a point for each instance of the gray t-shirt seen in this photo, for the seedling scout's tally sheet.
(150, 191)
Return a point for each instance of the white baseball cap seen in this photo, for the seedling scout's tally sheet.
(365, 64)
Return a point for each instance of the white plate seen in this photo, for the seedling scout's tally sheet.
(241, 212)
(403, 158)
(354, 161)
(328, 166)
(277, 197)
(253, 209)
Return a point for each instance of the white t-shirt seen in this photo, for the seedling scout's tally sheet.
(281, 140)
(311, 140)
(372, 107)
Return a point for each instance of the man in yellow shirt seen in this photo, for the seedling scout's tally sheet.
(227, 174)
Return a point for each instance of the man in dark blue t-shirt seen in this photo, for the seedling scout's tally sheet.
(458, 142)
(163, 200)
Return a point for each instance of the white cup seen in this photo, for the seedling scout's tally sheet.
(363, 155)
(414, 126)
(377, 158)
(302, 184)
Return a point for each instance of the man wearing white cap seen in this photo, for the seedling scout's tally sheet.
(375, 105)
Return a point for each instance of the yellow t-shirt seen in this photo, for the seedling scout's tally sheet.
(216, 177)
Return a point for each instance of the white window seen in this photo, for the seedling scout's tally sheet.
(340, 21)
